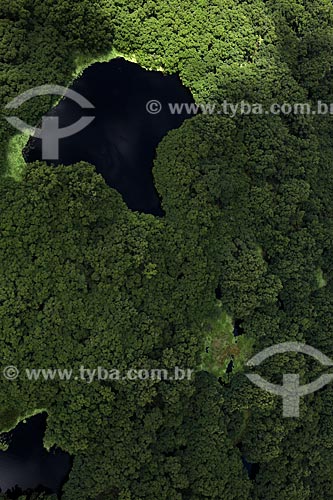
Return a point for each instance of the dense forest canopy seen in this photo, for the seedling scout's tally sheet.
(247, 234)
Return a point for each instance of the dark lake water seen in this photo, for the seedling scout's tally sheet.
(27, 465)
(121, 142)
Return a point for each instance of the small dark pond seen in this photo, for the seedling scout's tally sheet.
(252, 469)
(230, 367)
(27, 465)
(238, 329)
(121, 142)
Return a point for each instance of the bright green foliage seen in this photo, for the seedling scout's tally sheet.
(222, 346)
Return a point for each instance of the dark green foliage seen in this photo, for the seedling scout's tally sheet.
(248, 202)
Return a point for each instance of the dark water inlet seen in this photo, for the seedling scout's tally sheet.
(27, 465)
(230, 367)
(121, 142)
